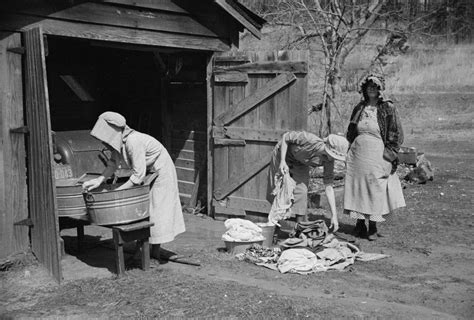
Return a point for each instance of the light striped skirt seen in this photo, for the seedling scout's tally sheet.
(370, 190)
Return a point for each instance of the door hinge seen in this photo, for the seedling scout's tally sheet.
(25, 222)
(23, 129)
(18, 50)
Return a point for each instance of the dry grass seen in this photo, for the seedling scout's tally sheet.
(440, 69)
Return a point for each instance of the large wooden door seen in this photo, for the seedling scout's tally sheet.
(13, 194)
(41, 187)
(257, 96)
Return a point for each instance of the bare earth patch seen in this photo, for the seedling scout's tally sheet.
(428, 276)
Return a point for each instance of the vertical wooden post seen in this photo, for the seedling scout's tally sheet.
(119, 258)
(145, 244)
(210, 115)
(41, 184)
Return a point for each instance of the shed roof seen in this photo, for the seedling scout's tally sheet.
(246, 17)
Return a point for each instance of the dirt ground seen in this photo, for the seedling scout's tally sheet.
(428, 276)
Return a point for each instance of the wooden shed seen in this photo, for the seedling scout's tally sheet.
(172, 68)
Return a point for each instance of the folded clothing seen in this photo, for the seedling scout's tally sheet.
(300, 261)
(240, 230)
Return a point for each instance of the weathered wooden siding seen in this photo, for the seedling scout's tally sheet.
(41, 186)
(13, 193)
(275, 87)
(177, 24)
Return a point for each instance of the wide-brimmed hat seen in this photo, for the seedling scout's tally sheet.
(109, 129)
(336, 146)
(378, 80)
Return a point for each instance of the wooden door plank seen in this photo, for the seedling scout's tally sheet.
(13, 190)
(236, 181)
(221, 155)
(298, 98)
(251, 151)
(266, 120)
(42, 191)
(253, 100)
(237, 92)
(267, 67)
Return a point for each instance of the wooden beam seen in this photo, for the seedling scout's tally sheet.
(232, 76)
(104, 14)
(77, 88)
(111, 33)
(228, 142)
(248, 134)
(267, 67)
(239, 17)
(250, 102)
(235, 59)
(236, 181)
(150, 4)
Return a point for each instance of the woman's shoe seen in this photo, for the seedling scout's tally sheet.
(155, 251)
(372, 236)
(360, 229)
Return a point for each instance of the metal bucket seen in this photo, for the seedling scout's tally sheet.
(268, 231)
(70, 199)
(118, 206)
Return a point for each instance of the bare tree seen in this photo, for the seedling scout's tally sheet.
(339, 25)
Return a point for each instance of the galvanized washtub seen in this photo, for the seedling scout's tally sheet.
(111, 206)
(70, 199)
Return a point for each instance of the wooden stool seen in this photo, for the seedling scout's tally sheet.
(139, 231)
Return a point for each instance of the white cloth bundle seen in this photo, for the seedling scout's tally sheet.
(242, 230)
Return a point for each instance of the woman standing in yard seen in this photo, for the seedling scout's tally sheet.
(372, 187)
(294, 154)
(142, 153)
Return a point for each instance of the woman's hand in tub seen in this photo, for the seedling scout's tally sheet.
(284, 167)
(93, 183)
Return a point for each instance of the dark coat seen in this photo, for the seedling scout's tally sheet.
(390, 128)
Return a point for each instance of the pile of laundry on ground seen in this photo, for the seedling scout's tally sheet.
(310, 248)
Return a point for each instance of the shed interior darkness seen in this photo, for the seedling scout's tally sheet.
(159, 92)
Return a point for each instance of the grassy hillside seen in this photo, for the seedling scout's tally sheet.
(410, 77)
